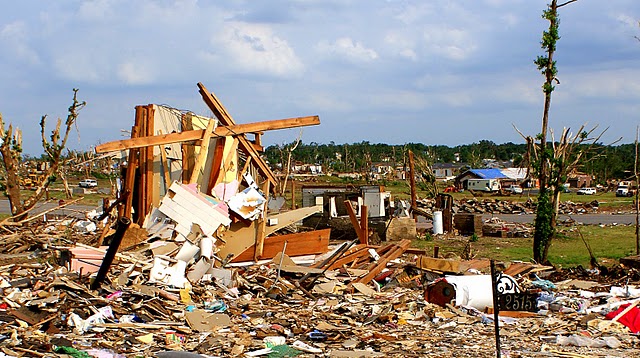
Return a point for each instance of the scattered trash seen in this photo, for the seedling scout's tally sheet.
(209, 271)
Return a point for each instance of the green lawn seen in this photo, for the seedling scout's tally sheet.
(609, 243)
(56, 192)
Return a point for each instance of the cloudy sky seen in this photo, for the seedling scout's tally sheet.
(390, 71)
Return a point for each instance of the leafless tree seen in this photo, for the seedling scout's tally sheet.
(286, 167)
(11, 151)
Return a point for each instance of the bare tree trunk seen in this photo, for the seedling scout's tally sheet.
(11, 160)
(67, 191)
(287, 171)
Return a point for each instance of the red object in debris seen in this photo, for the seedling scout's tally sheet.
(383, 275)
(631, 319)
(440, 292)
(4, 306)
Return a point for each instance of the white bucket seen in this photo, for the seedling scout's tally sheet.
(437, 223)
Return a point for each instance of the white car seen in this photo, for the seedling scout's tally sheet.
(88, 183)
(514, 189)
(586, 191)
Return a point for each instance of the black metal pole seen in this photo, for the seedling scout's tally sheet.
(496, 319)
(123, 225)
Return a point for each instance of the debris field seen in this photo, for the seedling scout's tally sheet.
(193, 259)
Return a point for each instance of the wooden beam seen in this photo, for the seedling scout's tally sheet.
(221, 131)
(188, 156)
(351, 257)
(229, 167)
(148, 162)
(375, 268)
(217, 163)
(140, 185)
(130, 176)
(262, 224)
(221, 113)
(364, 225)
(244, 169)
(354, 221)
(166, 171)
(204, 149)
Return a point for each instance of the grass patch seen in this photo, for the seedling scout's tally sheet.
(609, 243)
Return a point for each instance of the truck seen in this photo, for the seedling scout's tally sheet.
(626, 188)
(489, 185)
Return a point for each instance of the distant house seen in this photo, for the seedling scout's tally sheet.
(351, 175)
(462, 180)
(579, 180)
(303, 168)
(443, 171)
(381, 170)
(515, 176)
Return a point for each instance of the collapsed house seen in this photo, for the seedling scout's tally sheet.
(202, 182)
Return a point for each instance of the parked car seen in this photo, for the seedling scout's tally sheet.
(88, 183)
(586, 191)
(514, 189)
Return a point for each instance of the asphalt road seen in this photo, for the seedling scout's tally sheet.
(587, 219)
(74, 210)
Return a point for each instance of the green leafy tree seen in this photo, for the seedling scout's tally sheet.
(552, 162)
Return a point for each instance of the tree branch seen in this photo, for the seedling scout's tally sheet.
(566, 3)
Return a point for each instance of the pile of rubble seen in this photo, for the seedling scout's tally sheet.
(353, 301)
(496, 206)
(195, 259)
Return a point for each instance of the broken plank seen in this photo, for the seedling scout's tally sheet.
(129, 180)
(349, 251)
(204, 149)
(225, 119)
(298, 244)
(197, 134)
(188, 151)
(352, 257)
(262, 223)
(166, 171)
(289, 217)
(354, 221)
(440, 265)
(396, 252)
(364, 225)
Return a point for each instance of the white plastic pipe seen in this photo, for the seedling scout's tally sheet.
(438, 228)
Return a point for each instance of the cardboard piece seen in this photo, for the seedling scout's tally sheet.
(283, 260)
(364, 289)
(325, 287)
(203, 321)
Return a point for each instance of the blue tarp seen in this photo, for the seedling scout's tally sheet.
(492, 173)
